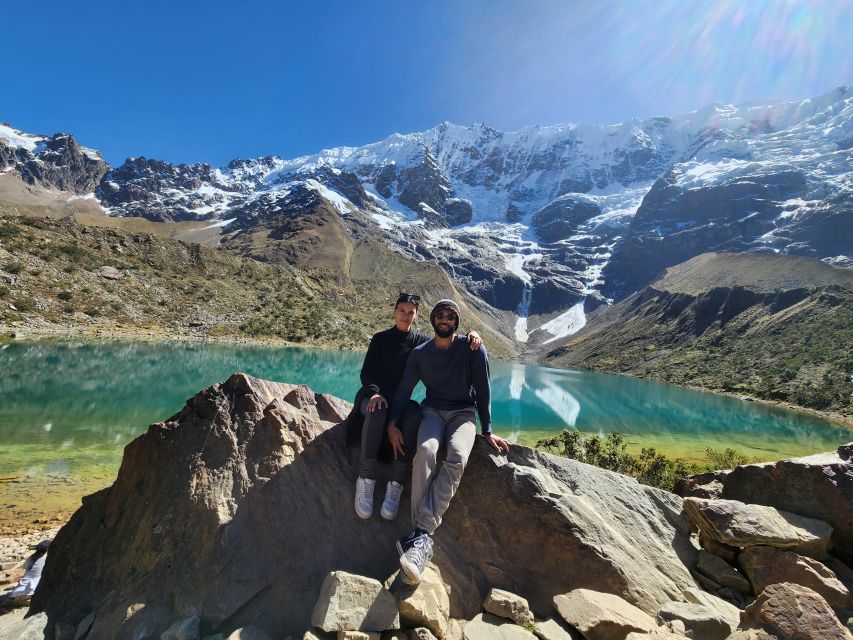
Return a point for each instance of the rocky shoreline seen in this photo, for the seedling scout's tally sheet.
(205, 531)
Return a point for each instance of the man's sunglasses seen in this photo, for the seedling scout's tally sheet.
(446, 315)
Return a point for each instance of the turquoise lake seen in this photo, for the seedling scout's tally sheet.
(67, 410)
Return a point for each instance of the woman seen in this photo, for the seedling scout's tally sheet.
(382, 369)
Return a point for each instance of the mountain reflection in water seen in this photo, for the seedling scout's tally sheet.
(57, 400)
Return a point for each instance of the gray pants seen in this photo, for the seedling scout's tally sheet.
(431, 491)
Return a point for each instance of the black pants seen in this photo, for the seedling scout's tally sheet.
(373, 433)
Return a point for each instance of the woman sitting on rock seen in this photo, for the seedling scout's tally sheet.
(382, 369)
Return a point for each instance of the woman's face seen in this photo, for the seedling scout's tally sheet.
(404, 315)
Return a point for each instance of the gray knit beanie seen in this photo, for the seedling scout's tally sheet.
(445, 304)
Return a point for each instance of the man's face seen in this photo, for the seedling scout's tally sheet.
(404, 315)
(444, 322)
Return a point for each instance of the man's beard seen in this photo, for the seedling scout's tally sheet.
(443, 332)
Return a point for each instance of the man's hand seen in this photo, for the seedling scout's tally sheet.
(376, 402)
(474, 340)
(396, 438)
(498, 444)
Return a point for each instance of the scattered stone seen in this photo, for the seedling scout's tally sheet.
(725, 609)
(769, 565)
(187, 629)
(722, 572)
(508, 605)
(554, 629)
(699, 621)
(602, 616)
(32, 628)
(792, 612)
(110, 273)
(426, 605)
(359, 635)
(421, 633)
(349, 602)
(705, 582)
(485, 626)
(735, 523)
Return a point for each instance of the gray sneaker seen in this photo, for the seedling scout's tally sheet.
(414, 559)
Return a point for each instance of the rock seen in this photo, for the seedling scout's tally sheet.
(699, 621)
(426, 605)
(488, 627)
(818, 486)
(768, 565)
(602, 616)
(350, 602)
(215, 636)
(249, 474)
(660, 634)
(455, 629)
(722, 572)
(110, 273)
(792, 612)
(83, 628)
(734, 523)
(508, 605)
(554, 629)
(397, 634)
(421, 633)
(319, 635)
(725, 551)
(359, 635)
(725, 609)
(249, 633)
(187, 629)
(32, 628)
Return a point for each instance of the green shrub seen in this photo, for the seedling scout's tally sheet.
(649, 467)
(13, 267)
(92, 312)
(4, 291)
(65, 295)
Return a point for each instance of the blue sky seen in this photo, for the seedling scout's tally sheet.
(210, 81)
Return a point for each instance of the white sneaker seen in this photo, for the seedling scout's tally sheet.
(364, 497)
(391, 504)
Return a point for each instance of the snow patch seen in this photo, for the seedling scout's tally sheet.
(565, 324)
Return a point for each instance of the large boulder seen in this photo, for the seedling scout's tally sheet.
(790, 612)
(768, 565)
(818, 486)
(238, 507)
(602, 616)
(741, 525)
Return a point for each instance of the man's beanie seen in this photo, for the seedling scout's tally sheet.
(445, 304)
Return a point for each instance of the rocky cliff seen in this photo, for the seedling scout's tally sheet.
(238, 507)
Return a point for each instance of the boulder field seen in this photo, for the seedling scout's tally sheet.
(234, 517)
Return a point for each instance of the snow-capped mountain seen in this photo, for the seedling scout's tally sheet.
(543, 223)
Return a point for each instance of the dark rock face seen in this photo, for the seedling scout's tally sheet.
(560, 218)
(458, 211)
(425, 183)
(673, 225)
(238, 507)
(59, 163)
(161, 191)
(385, 180)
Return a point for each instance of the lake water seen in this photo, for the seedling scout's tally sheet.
(67, 410)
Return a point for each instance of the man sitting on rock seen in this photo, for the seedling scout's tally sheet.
(457, 386)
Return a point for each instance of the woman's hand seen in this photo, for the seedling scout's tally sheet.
(395, 436)
(474, 340)
(376, 402)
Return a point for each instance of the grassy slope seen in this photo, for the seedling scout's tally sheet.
(776, 327)
(48, 279)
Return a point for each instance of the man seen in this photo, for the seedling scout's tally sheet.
(457, 386)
